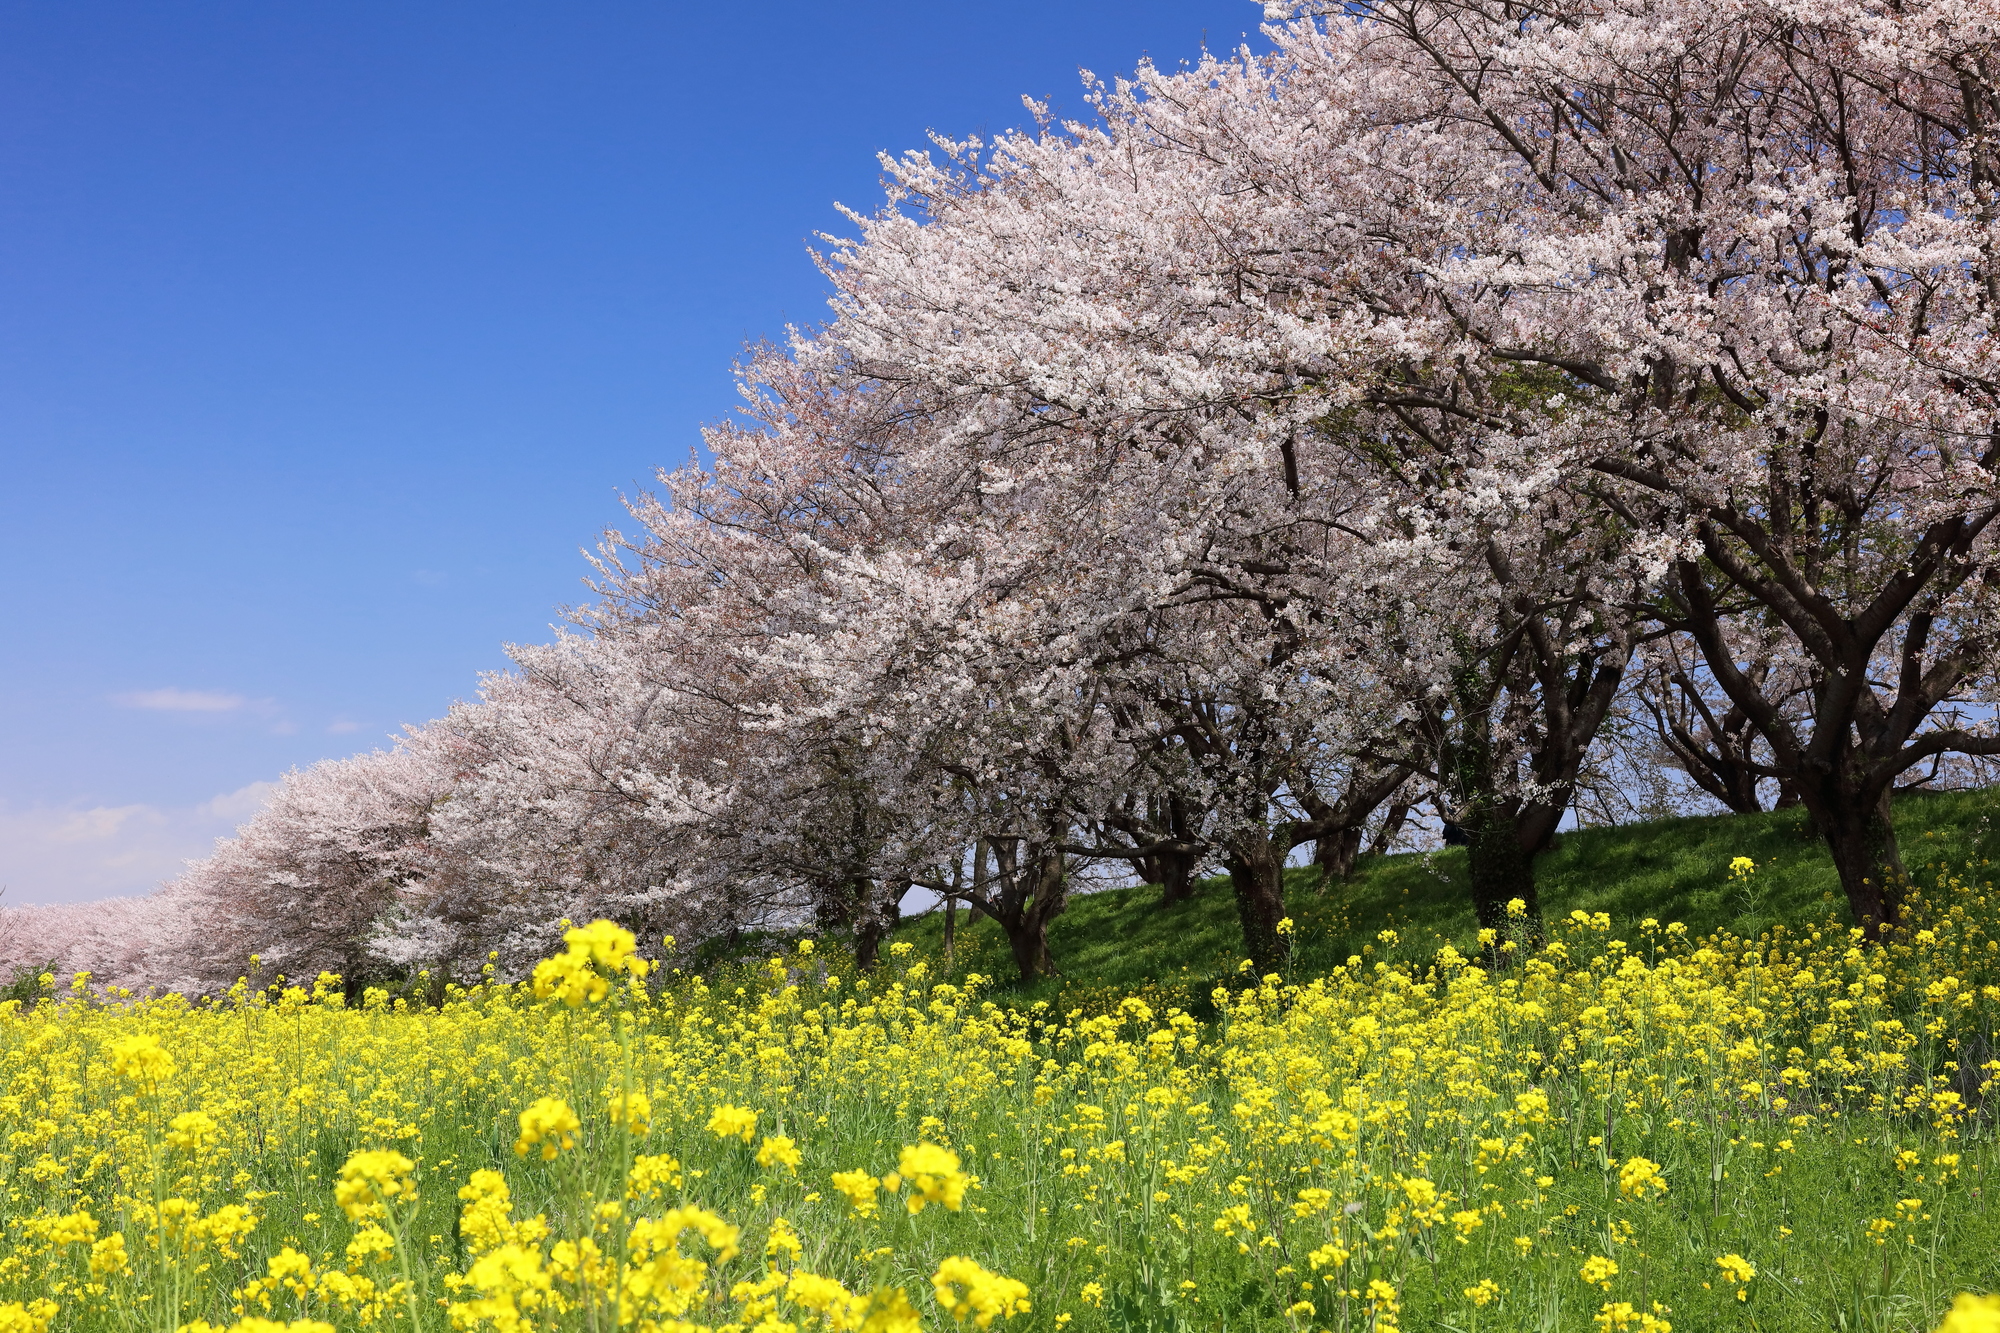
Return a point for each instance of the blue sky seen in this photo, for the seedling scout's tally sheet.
(329, 333)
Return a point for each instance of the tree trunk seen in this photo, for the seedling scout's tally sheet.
(870, 925)
(1176, 876)
(1028, 933)
(1502, 869)
(1535, 824)
(1392, 824)
(1339, 826)
(1739, 775)
(951, 911)
(1172, 871)
(1495, 831)
(1499, 834)
(1027, 899)
(833, 909)
(1862, 838)
(1257, 874)
(1335, 852)
(1030, 947)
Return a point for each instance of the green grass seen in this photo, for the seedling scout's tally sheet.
(1124, 941)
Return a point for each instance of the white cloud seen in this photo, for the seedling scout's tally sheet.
(172, 700)
(76, 853)
(341, 728)
(100, 823)
(240, 804)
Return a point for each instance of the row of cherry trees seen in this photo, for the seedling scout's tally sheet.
(1310, 434)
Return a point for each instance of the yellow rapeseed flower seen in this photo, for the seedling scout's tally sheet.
(580, 974)
(550, 1123)
(859, 1187)
(733, 1122)
(1972, 1314)
(933, 1176)
(485, 1221)
(33, 1317)
(1598, 1271)
(1640, 1176)
(1737, 1270)
(73, 1229)
(778, 1150)
(371, 1180)
(965, 1291)
(652, 1176)
(1618, 1316)
(141, 1058)
(192, 1130)
(633, 1111)
(108, 1258)
(608, 945)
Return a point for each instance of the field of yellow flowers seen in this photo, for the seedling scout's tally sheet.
(1591, 1133)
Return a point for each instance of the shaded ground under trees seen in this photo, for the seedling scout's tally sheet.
(1672, 870)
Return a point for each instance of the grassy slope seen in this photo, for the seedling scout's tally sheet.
(1672, 870)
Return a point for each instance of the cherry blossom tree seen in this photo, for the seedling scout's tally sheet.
(306, 880)
(1176, 323)
(141, 943)
(1753, 240)
(549, 817)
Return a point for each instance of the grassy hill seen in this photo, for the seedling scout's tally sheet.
(1672, 870)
